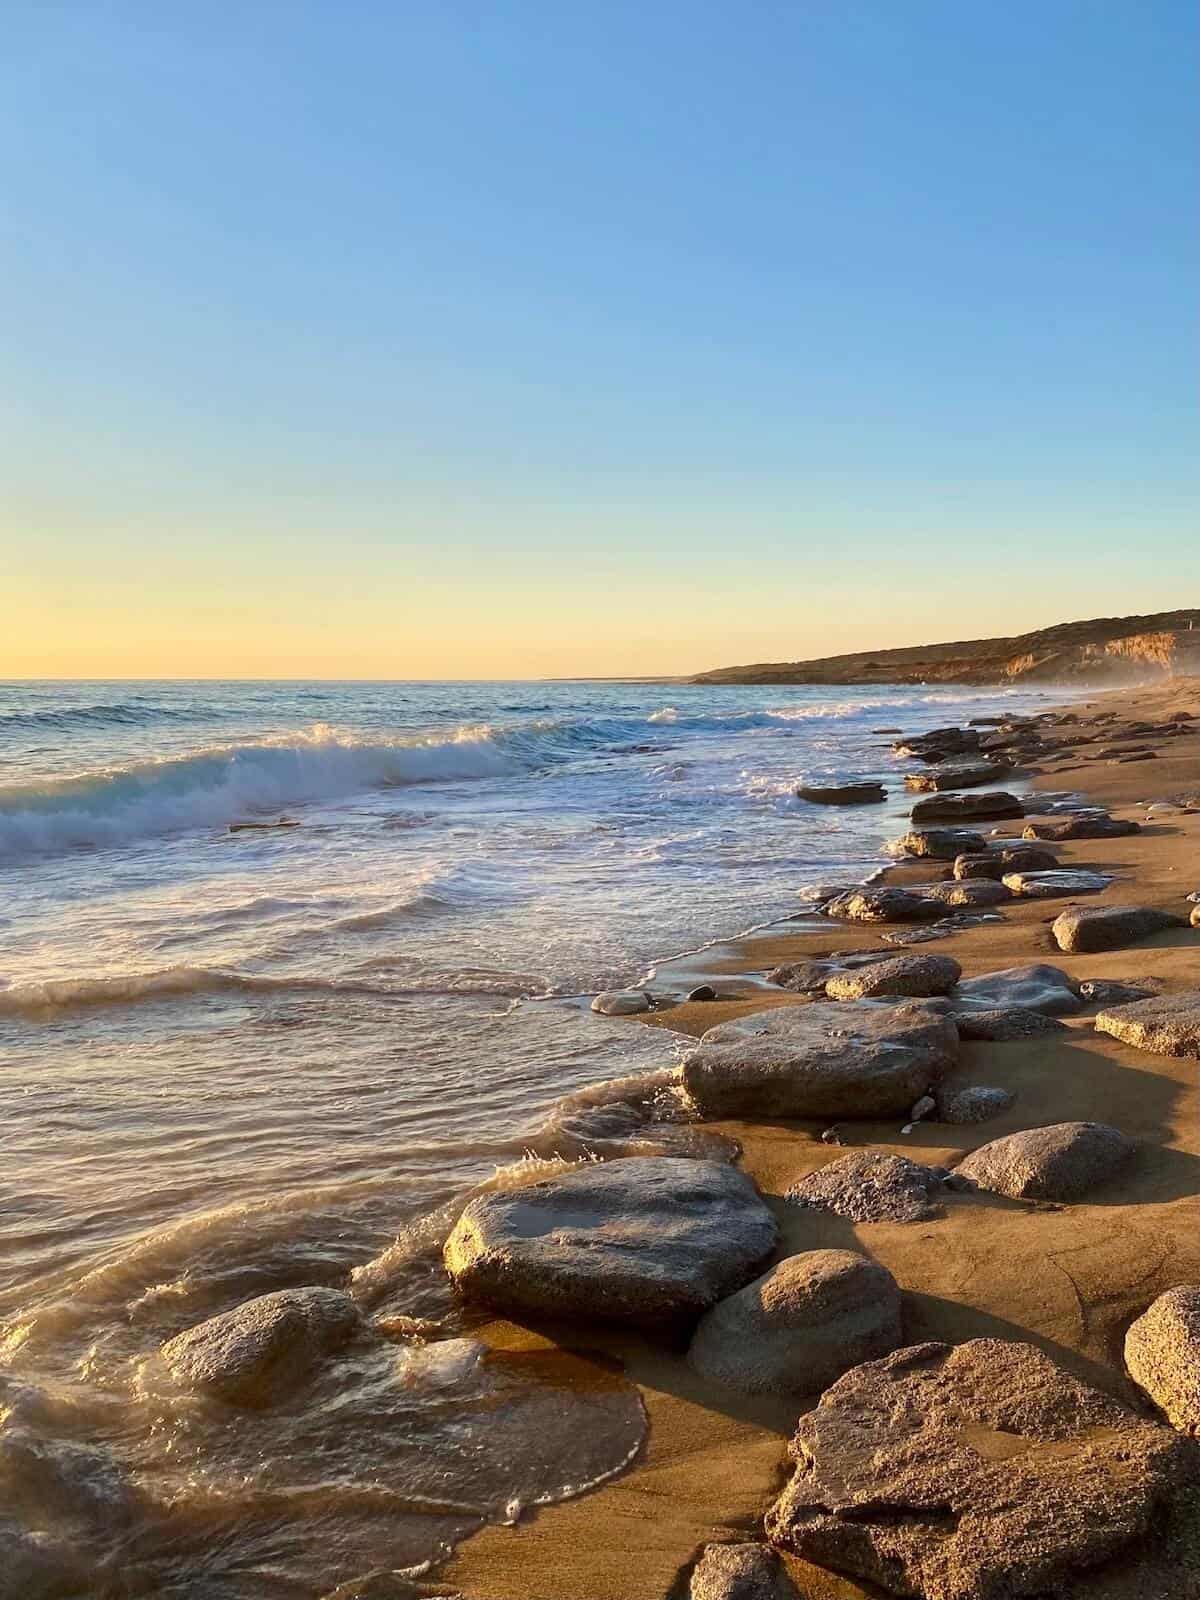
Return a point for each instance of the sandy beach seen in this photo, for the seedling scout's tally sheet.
(1067, 1278)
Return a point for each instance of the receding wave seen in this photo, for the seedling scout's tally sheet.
(133, 713)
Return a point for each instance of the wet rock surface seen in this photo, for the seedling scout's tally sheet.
(856, 1059)
(958, 775)
(1036, 987)
(801, 1325)
(978, 1472)
(1061, 1162)
(1006, 1023)
(883, 904)
(1162, 1353)
(871, 1186)
(1168, 1025)
(913, 976)
(843, 794)
(260, 1350)
(1092, 928)
(992, 805)
(1061, 881)
(970, 892)
(622, 1003)
(643, 1240)
(938, 844)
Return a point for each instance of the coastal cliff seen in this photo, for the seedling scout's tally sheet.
(1109, 651)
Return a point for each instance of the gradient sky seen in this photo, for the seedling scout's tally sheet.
(462, 339)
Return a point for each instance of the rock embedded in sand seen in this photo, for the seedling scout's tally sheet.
(645, 1240)
(1038, 987)
(740, 1572)
(1006, 1023)
(970, 892)
(883, 904)
(255, 1353)
(1081, 827)
(937, 844)
(622, 1003)
(871, 1186)
(977, 1103)
(1112, 992)
(912, 976)
(1162, 1353)
(1049, 885)
(1060, 1162)
(1094, 928)
(1167, 1025)
(799, 1326)
(843, 794)
(978, 1472)
(1006, 858)
(960, 775)
(857, 1059)
(993, 805)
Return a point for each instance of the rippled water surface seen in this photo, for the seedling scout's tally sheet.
(234, 1060)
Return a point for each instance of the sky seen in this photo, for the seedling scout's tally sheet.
(520, 339)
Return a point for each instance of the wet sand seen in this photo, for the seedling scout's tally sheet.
(1068, 1279)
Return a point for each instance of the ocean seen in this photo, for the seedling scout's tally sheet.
(234, 1059)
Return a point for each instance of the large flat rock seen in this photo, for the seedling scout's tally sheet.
(801, 1325)
(1091, 928)
(883, 904)
(996, 862)
(957, 775)
(1081, 827)
(938, 844)
(842, 794)
(979, 1472)
(988, 805)
(1061, 1162)
(257, 1352)
(642, 1240)
(911, 976)
(857, 1059)
(1162, 1352)
(1061, 881)
(1167, 1025)
(1036, 987)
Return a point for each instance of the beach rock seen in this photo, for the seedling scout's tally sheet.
(871, 1186)
(643, 1240)
(810, 977)
(919, 975)
(1109, 927)
(1038, 987)
(622, 1003)
(1050, 885)
(944, 928)
(883, 904)
(740, 1572)
(937, 844)
(982, 1471)
(979, 1103)
(843, 794)
(385, 1584)
(1006, 1023)
(1081, 827)
(255, 1353)
(817, 894)
(1009, 857)
(703, 991)
(1162, 1352)
(1194, 919)
(799, 1326)
(992, 805)
(970, 892)
(857, 1059)
(1060, 1162)
(940, 744)
(1168, 1025)
(1111, 992)
(960, 775)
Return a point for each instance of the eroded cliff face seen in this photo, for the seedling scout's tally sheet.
(1110, 651)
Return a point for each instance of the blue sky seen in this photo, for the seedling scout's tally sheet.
(461, 340)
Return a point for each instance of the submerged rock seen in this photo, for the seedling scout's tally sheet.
(959, 775)
(1168, 1025)
(1037, 987)
(858, 1059)
(913, 976)
(1060, 1162)
(843, 794)
(740, 1572)
(871, 1186)
(642, 1240)
(992, 805)
(622, 1003)
(883, 904)
(799, 1326)
(978, 1472)
(255, 1353)
(1093, 928)
(1162, 1352)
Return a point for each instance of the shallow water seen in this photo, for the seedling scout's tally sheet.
(233, 1061)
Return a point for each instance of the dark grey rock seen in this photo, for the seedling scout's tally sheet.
(641, 1240)
(960, 775)
(1037, 987)
(1060, 1162)
(1111, 992)
(1006, 1023)
(990, 805)
(871, 1186)
(978, 1472)
(703, 991)
(843, 794)
(800, 1325)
